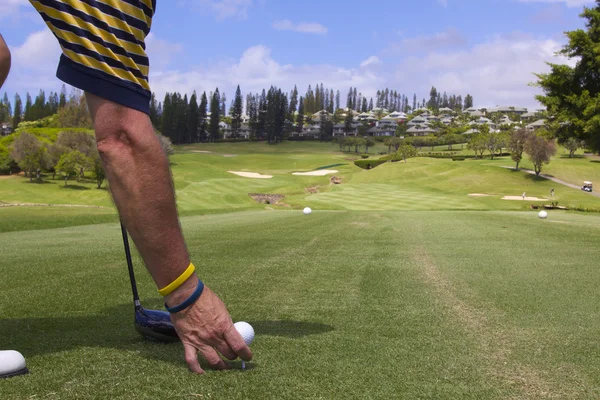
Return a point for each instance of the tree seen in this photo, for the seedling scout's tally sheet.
(236, 112)
(572, 94)
(293, 103)
(540, 150)
(573, 144)
(63, 97)
(406, 151)
(358, 143)
(495, 142)
(97, 168)
(75, 113)
(348, 122)
(478, 144)
(30, 154)
(18, 112)
(192, 119)
(215, 117)
(201, 132)
(300, 119)
(27, 113)
(468, 101)
(369, 142)
(516, 144)
(70, 163)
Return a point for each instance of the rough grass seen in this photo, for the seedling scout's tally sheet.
(490, 305)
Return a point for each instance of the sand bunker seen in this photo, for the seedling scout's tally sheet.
(201, 151)
(321, 172)
(479, 195)
(521, 198)
(251, 175)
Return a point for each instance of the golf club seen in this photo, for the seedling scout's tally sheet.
(154, 325)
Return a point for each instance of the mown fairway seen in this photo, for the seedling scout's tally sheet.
(399, 285)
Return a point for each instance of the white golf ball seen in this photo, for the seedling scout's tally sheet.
(246, 330)
(543, 214)
(307, 211)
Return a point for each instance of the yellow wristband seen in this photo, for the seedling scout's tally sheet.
(170, 288)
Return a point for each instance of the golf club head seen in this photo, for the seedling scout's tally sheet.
(155, 325)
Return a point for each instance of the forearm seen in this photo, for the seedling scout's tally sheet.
(140, 182)
(4, 61)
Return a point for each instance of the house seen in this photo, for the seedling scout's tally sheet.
(340, 130)
(529, 116)
(470, 110)
(476, 114)
(319, 114)
(6, 129)
(446, 110)
(420, 130)
(507, 109)
(363, 116)
(446, 121)
(540, 123)
(313, 131)
(387, 121)
(397, 115)
(382, 131)
(417, 121)
(243, 132)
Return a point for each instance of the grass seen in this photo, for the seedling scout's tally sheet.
(399, 285)
(356, 304)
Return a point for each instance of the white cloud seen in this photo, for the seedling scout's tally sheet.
(448, 38)
(11, 7)
(568, 3)
(161, 52)
(371, 61)
(304, 27)
(256, 69)
(496, 72)
(224, 9)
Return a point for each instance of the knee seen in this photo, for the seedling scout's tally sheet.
(120, 134)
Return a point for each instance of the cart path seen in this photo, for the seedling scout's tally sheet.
(553, 179)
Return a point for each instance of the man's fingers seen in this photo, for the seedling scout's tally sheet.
(237, 344)
(224, 349)
(212, 358)
(191, 358)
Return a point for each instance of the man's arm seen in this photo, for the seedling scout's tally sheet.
(4, 60)
(140, 182)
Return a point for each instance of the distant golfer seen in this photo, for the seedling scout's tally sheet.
(552, 192)
(523, 195)
(104, 55)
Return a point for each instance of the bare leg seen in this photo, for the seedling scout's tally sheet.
(140, 182)
(4, 61)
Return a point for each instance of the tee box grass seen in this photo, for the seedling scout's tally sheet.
(398, 285)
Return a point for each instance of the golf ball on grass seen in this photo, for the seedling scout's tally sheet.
(247, 332)
(543, 214)
(307, 211)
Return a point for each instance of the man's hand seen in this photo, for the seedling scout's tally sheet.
(206, 327)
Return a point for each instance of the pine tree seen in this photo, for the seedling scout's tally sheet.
(236, 113)
(18, 111)
(201, 131)
(349, 100)
(414, 106)
(364, 107)
(167, 117)
(293, 103)
(215, 117)
(63, 97)
(154, 111)
(370, 104)
(223, 106)
(27, 114)
(300, 120)
(192, 118)
(468, 101)
(354, 99)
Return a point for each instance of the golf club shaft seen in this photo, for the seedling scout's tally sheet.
(136, 299)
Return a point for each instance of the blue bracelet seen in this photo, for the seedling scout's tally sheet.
(189, 301)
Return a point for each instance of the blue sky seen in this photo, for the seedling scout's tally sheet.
(488, 48)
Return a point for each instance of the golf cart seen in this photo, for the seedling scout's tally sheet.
(587, 186)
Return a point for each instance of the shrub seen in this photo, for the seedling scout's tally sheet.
(364, 156)
(369, 164)
(458, 158)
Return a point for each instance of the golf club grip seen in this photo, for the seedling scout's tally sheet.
(136, 299)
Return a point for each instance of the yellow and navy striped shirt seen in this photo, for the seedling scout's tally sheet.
(103, 46)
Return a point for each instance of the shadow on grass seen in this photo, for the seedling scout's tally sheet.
(40, 182)
(114, 328)
(75, 187)
(595, 161)
(536, 178)
(291, 329)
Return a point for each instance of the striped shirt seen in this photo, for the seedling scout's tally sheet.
(103, 46)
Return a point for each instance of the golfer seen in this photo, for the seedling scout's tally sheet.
(103, 54)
